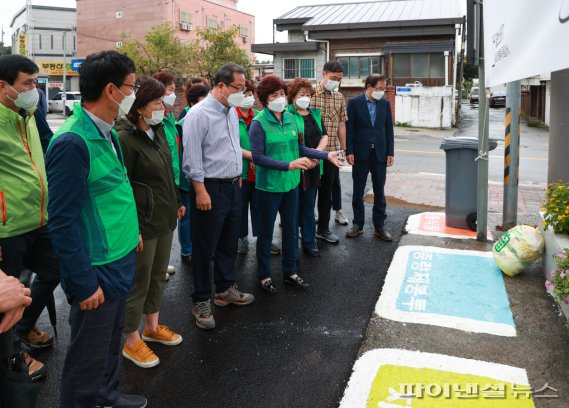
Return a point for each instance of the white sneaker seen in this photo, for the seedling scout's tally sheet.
(167, 278)
(340, 219)
(171, 269)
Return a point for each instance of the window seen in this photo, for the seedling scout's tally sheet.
(40, 41)
(74, 43)
(361, 66)
(298, 68)
(419, 65)
(57, 97)
(52, 41)
(212, 23)
(243, 31)
(186, 17)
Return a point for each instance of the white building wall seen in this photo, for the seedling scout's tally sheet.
(426, 107)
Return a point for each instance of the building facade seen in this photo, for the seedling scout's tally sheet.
(48, 36)
(101, 23)
(414, 43)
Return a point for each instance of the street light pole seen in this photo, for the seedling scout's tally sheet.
(64, 90)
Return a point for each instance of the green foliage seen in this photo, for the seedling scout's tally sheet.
(558, 284)
(5, 50)
(403, 124)
(556, 208)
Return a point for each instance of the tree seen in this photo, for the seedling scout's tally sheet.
(218, 47)
(161, 51)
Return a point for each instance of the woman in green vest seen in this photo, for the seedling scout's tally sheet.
(309, 122)
(149, 166)
(279, 155)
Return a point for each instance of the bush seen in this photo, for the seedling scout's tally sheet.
(556, 208)
(558, 284)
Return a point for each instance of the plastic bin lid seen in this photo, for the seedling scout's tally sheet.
(465, 142)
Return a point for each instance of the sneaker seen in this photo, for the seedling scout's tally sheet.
(141, 355)
(243, 246)
(234, 296)
(340, 219)
(327, 236)
(203, 316)
(171, 269)
(127, 401)
(36, 369)
(36, 339)
(275, 250)
(354, 231)
(162, 335)
(167, 277)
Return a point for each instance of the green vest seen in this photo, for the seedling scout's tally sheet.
(109, 224)
(245, 143)
(300, 124)
(281, 143)
(171, 131)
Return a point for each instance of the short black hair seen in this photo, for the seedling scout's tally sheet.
(196, 92)
(149, 89)
(100, 69)
(373, 79)
(225, 73)
(333, 66)
(11, 65)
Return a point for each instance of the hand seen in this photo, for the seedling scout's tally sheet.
(251, 166)
(203, 201)
(140, 246)
(302, 163)
(94, 301)
(351, 159)
(315, 162)
(334, 158)
(181, 212)
(240, 182)
(13, 294)
(10, 318)
(390, 161)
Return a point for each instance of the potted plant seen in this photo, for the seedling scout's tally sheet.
(558, 283)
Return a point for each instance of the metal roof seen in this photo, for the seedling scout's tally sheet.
(386, 12)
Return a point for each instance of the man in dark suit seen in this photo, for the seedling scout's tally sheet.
(370, 149)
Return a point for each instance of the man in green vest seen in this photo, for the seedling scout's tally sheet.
(94, 228)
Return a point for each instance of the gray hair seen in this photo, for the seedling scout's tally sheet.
(225, 73)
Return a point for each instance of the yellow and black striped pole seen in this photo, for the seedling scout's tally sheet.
(511, 154)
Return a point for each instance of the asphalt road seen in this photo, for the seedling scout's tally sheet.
(295, 349)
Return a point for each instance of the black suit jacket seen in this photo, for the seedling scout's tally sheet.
(360, 132)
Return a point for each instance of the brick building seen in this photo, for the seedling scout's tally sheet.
(100, 23)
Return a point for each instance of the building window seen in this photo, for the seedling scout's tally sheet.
(298, 68)
(40, 47)
(74, 43)
(212, 23)
(243, 31)
(52, 41)
(419, 65)
(361, 66)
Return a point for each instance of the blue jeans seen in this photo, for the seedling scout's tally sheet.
(306, 218)
(184, 231)
(287, 205)
(249, 199)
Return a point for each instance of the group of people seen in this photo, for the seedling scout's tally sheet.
(123, 173)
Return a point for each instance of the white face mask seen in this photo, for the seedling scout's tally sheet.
(332, 85)
(247, 102)
(377, 95)
(234, 99)
(170, 100)
(126, 104)
(157, 117)
(277, 105)
(26, 100)
(303, 102)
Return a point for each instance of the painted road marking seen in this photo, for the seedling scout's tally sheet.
(401, 378)
(433, 224)
(459, 289)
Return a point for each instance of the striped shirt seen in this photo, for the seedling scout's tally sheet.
(333, 108)
(211, 142)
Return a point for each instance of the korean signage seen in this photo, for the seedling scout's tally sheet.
(22, 44)
(512, 51)
(76, 64)
(54, 68)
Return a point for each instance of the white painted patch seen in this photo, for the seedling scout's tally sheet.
(433, 224)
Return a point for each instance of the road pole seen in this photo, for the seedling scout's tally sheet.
(64, 89)
(483, 125)
(558, 166)
(511, 155)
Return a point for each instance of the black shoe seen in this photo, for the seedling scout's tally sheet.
(327, 236)
(383, 234)
(187, 259)
(298, 282)
(269, 287)
(354, 231)
(314, 253)
(128, 401)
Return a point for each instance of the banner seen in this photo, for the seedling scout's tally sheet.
(524, 38)
(55, 68)
(22, 44)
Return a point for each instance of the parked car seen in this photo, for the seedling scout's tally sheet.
(56, 104)
(497, 99)
(474, 92)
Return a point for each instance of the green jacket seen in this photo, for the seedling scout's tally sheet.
(245, 143)
(300, 123)
(149, 167)
(173, 139)
(23, 181)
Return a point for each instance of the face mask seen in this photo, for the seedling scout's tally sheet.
(26, 100)
(277, 105)
(126, 104)
(377, 95)
(303, 102)
(247, 102)
(332, 85)
(235, 99)
(170, 100)
(157, 117)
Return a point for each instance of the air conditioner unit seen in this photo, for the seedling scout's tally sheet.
(186, 26)
(118, 14)
(118, 44)
(244, 38)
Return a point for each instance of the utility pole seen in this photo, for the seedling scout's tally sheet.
(511, 155)
(64, 87)
(558, 166)
(483, 129)
(29, 29)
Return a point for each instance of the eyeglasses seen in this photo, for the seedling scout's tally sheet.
(239, 89)
(135, 87)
